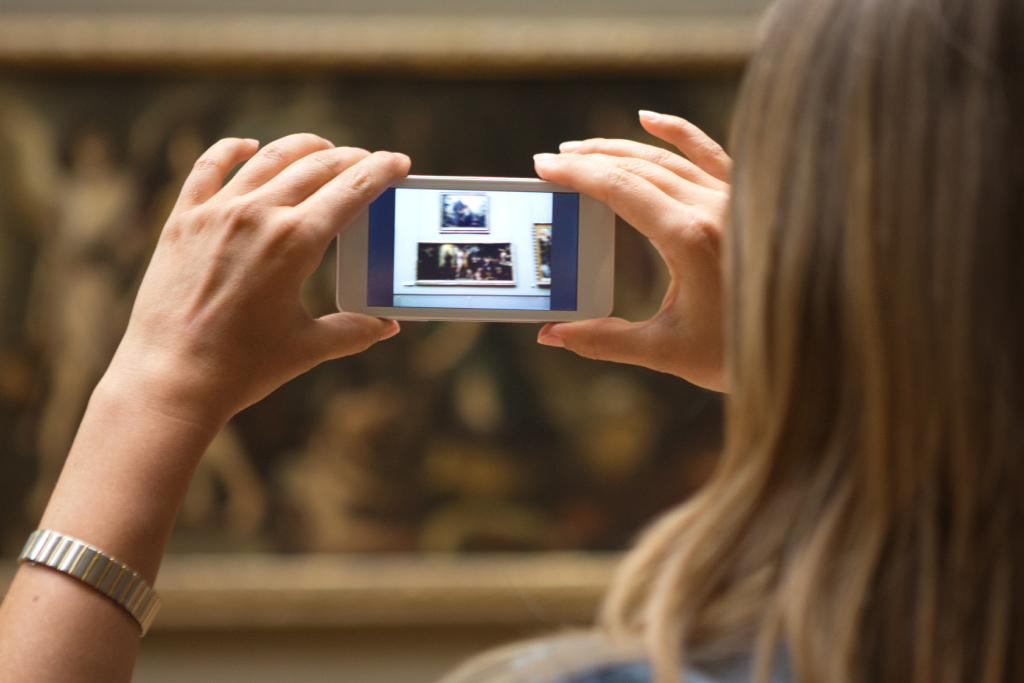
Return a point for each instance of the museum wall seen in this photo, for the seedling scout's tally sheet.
(448, 445)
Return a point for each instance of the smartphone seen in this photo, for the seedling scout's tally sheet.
(492, 249)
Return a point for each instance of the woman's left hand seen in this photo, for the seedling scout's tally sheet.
(680, 205)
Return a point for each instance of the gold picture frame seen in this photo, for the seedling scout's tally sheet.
(542, 253)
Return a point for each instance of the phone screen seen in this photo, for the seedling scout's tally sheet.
(441, 248)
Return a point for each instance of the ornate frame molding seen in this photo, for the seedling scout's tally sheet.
(457, 44)
(201, 592)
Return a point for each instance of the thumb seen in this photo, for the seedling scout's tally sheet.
(612, 339)
(343, 334)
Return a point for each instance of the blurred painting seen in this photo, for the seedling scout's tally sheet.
(450, 437)
(464, 213)
(465, 263)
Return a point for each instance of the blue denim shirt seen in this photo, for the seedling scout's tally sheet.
(735, 671)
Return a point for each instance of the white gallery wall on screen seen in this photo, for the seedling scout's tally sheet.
(511, 218)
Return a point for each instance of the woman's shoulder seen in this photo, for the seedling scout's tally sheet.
(735, 670)
(593, 658)
(634, 672)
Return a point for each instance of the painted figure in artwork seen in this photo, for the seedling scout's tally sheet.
(79, 300)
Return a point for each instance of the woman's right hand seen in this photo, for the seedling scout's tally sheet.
(218, 324)
(681, 206)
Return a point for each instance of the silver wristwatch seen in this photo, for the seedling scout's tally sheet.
(95, 568)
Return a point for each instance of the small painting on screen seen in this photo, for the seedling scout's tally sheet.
(465, 213)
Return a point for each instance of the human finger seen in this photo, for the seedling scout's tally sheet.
(610, 339)
(684, 168)
(342, 334)
(337, 202)
(677, 188)
(638, 201)
(659, 344)
(307, 175)
(273, 159)
(208, 174)
(691, 141)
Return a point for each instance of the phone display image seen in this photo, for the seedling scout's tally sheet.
(472, 263)
(542, 253)
(488, 249)
(527, 262)
(464, 213)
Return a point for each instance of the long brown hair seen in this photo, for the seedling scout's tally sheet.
(868, 514)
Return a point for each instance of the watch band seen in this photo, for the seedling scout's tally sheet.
(95, 568)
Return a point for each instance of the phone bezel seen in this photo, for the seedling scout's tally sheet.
(595, 264)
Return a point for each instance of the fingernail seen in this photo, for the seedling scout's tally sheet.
(543, 158)
(395, 329)
(570, 146)
(403, 156)
(551, 340)
(253, 141)
(651, 116)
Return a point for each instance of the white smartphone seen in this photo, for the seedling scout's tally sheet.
(493, 249)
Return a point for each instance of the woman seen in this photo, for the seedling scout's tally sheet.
(866, 513)
(862, 524)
